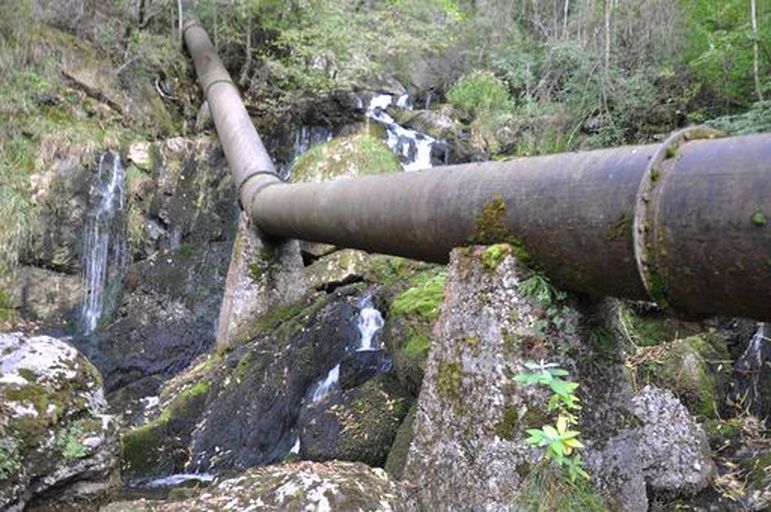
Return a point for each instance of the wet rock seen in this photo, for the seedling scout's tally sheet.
(441, 124)
(166, 317)
(239, 409)
(58, 448)
(752, 373)
(334, 486)
(360, 366)
(358, 424)
(672, 448)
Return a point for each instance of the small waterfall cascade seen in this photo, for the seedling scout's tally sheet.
(104, 250)
(370, 323)
(413, 148)
(308, 136)
(325, 387)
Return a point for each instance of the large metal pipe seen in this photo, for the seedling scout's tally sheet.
(685, 222)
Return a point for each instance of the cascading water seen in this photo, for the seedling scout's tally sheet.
(104, 251)
(324, 387)
(413, 148)
(370, 323)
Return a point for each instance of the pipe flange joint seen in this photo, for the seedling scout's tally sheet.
(190, 24)
(276, 181)
(646, 231)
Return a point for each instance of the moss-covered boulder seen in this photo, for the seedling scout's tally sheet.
(693, 368)
(58, 448)
(354, 155)
(412, 314)
(359, 426)
(333, 486)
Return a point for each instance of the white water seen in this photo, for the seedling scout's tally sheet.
(296, 446)
(326, 386)
(413, 148)
(370, 322)
(111, 193)
(174, 480)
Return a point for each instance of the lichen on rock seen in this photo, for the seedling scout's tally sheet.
(58, 446)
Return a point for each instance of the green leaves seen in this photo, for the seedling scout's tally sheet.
(558, 439)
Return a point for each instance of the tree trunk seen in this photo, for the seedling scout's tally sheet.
(756, 50)
(608, 9)
(565, 19)
(248, 60)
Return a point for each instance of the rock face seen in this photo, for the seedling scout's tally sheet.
(179, 225)
(58, 448)
(262, 276)
(468, 448)
(334, 486)
(672, 447)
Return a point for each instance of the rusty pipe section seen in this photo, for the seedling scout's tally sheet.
(684, 223)
(250, 165)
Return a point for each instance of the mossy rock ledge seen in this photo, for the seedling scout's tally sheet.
(58, 448)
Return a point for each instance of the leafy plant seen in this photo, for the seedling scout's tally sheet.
(559, 439)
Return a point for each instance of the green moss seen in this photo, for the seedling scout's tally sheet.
(671, 152)
(242, 367)
(69, 443)
(418, 345)
(494, 255)
(686, 368)
(507, 426)
(473, 342)
(491, 223)
(141, 449)
(621, 229)
(510, 341)
(144, 448)
(357, 154)
(448, 381)
(655, 175)
(758, 471)
(652, 328)
(397, 455)
(422, 300)
(759, 219)
(10, 455)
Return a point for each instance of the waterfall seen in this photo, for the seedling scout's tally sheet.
(413, 148)
(104, 246)
(324, 387)
(370, 323)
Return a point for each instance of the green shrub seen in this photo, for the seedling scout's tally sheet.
(480, 93)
